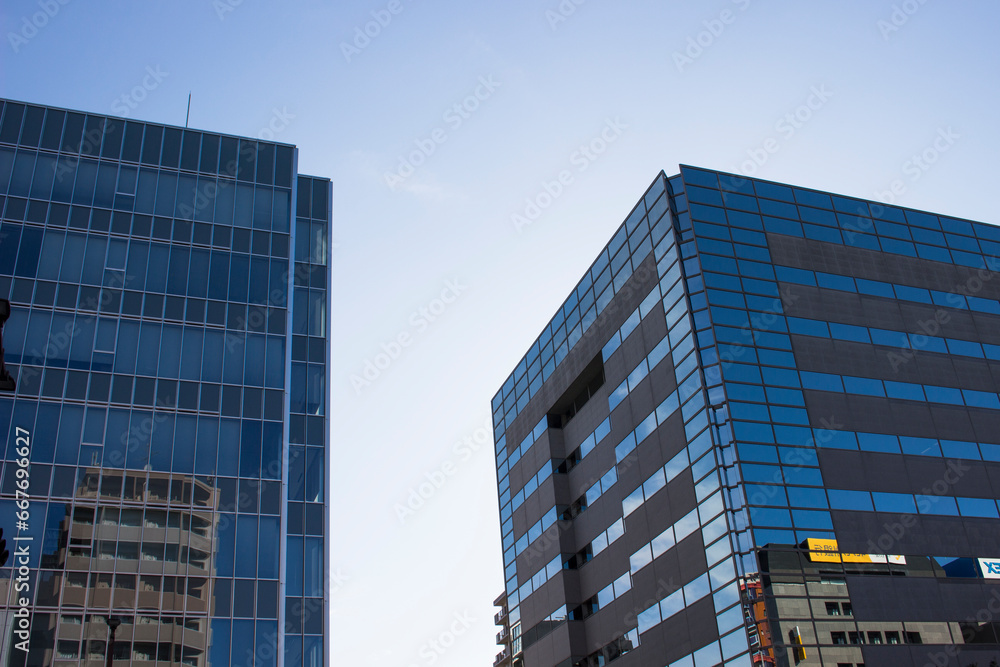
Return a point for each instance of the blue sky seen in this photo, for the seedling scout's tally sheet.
(856, 97)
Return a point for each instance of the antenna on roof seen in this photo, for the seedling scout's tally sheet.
(188, 116)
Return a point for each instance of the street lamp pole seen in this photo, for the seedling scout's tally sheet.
(113, 624)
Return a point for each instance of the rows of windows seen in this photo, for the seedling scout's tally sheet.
(639, 373)
(888, 290)
(168, 649)
(148, 348)
(551, 569)
(738, 330)
(672, 276)
(597, 489)
(662, 476)
(533, 533)
(179, 557)
(699, 438)
(306, 651)
(591, 494)
(839, 219)
(606, 596)
(906, 503)
(587, 446)
(631, 323)
(532, 483)
(132, 141)
(155, 268)
(898, 339)
(515, 455)
(613, 650)
(601, 542)
(117, 225)
(170, 395)
(682, 528)
(887, 443)
(719, 582)
(123, 591)
(507, 506)
(246, 545)
(304, 566)
(607, 275)
(681, 344)
(613, 591)
(733, 644)
(304, 606)
(602, 485)
(91, 302)
(853, 234)
(162, 441)
(607, 537)
(874, 637)
(61, 181)
(521, 641)
(905, 390)
(181, 638)
(175, 207)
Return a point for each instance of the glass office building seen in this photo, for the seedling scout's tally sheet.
(166, 447)
(762, 430)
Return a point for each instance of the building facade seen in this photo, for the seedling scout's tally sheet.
(762, 430)
(166, 445)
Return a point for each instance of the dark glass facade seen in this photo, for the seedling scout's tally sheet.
(761, 431)
(168, 336)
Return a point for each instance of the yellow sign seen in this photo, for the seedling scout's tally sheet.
(826, 551)
(798, 648)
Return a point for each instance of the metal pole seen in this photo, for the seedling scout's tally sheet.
(113, 624)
